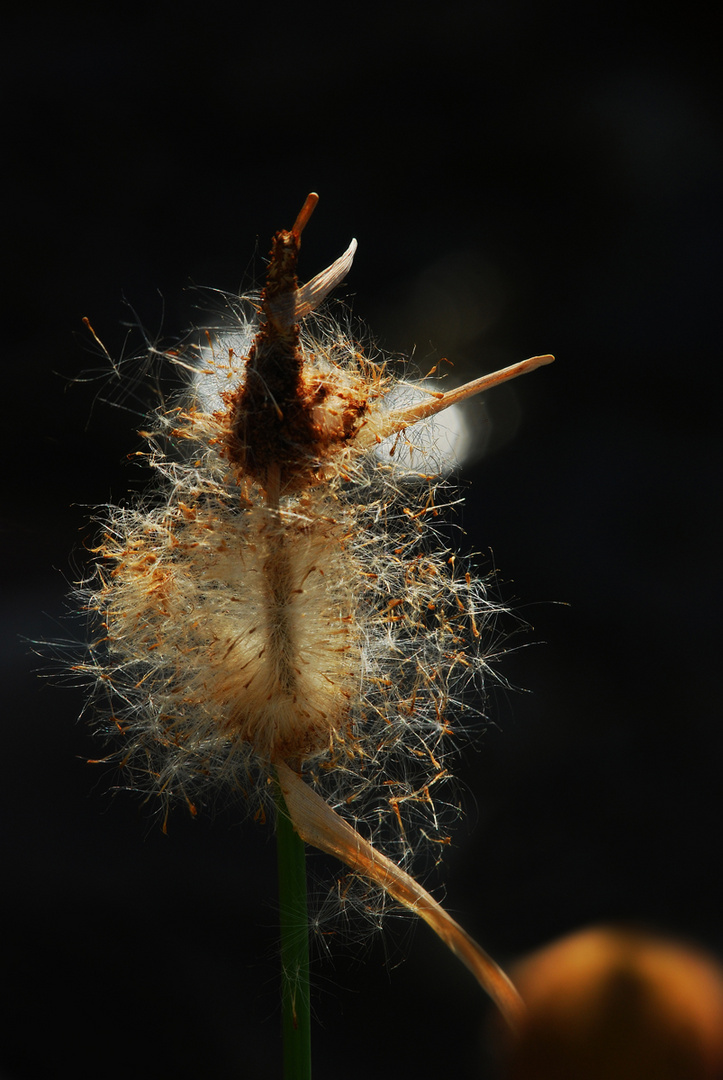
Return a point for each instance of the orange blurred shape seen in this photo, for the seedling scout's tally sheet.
(612, 1004)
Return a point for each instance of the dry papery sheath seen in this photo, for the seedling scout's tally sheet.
(280, 605)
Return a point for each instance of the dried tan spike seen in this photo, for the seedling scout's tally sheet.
(294, 306)
(398, 419)
(319, 825)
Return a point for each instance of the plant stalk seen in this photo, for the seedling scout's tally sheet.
(295, 994)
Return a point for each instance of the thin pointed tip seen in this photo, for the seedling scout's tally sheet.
(540, 361)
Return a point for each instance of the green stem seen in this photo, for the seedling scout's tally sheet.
(295, 996)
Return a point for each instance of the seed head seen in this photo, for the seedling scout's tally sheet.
(281, 610)
(282, 594)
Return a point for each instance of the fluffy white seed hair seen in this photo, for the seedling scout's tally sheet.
(280, 612)
(282, 594)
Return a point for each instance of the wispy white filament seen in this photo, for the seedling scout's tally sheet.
(282, 599)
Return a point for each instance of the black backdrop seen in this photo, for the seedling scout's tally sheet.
(521, 178)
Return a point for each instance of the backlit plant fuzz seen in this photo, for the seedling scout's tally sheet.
(281, 601)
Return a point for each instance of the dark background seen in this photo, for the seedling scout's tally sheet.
(521, 178)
